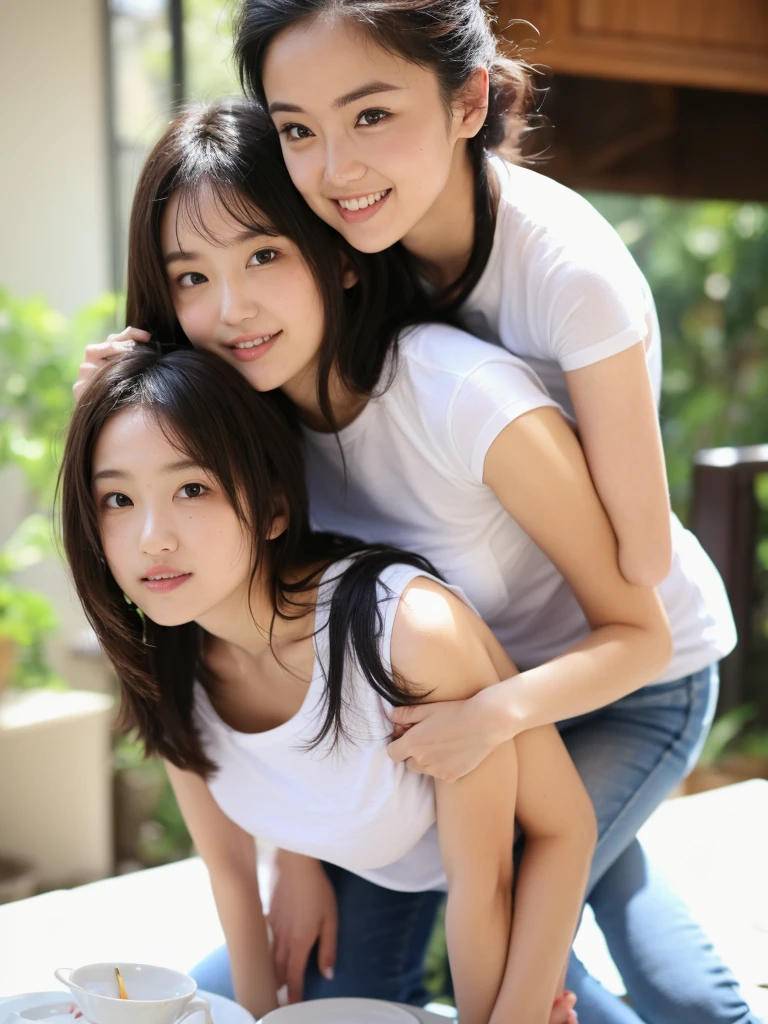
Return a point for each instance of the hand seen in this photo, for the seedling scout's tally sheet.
(447, 739)
(302, 911)
(563, 1011)
(97, 356)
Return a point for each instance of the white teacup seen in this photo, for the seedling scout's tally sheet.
(156, 995)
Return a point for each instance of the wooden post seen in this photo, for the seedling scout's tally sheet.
(724, 517)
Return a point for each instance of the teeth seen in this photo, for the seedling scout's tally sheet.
(175, 576)
(364, 202)
(256, 343)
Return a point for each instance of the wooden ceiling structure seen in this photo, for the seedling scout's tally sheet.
(650, 96)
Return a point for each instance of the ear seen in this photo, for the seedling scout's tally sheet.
(349, 274)
(472, 103)
(279, 520)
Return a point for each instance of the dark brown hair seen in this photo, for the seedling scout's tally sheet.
(452, 37)
(230, 149)
(249, 442)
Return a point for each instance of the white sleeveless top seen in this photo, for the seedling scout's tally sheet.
(560, 289)
(414, 478)
(349, 805)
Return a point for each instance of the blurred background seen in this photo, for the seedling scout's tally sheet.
(656, 109)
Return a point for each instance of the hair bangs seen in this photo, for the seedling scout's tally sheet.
(230, 203)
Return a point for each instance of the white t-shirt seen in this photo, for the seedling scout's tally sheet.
(349, 805)
(560, 288)
(414, 478)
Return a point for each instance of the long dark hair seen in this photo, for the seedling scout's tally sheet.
(249, 442)
(452, 37)
(230, 149)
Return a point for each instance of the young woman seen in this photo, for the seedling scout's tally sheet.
(260, 660)
(452, 445)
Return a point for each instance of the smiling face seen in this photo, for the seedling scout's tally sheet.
(246, 296)
(366, 135)
(171, 538)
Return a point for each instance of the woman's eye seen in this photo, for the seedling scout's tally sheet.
(369, 118)
(192, 278)
(193, 490)
(295, 132)
(264, 256)
(117, 500)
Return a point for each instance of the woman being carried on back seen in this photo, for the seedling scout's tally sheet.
(260, 660)
(450, 447)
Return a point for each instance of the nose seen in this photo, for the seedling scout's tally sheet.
(237, 304)
(342, 167)
(157, 535)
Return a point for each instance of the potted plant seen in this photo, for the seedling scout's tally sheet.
(26, 617)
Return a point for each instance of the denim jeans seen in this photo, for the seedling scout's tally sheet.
(630, 755)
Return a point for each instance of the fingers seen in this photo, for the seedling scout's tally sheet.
(563, 1010)
(326, 950)
(296, 966)
(280, 961)
(400, 749)
(97, 355)
(409, 715)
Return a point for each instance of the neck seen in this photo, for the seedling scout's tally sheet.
(345, 404)
(442, 240)
(243, 622)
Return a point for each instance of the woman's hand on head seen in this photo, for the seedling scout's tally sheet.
(302, 912)
(96, 356)
(447, 739)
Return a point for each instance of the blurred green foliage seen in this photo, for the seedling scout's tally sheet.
(39, 354)
(707, 265)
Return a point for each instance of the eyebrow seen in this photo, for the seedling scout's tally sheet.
(343, 101)
(119, 474)
(180, 256)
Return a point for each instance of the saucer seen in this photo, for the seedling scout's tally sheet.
(55, 1009)
(340, 1011)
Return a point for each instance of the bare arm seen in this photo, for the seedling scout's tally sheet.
(619, 431)
(230, 856)
(538, 471)
(440, 643)
(556, 815)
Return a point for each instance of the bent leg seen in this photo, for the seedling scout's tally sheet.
(671, 971)
(632, 753)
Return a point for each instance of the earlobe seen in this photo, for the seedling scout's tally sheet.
(280, 519)
(349, 274)
(474, 103)
(279, 526)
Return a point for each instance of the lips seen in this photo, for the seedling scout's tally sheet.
(248, 347)
(352, 211)
(164, 578)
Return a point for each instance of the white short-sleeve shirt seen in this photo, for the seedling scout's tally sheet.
(560, 289)
(414, 462)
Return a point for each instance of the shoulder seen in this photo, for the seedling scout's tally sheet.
(439, 643)
(547, 224)
(439, 348)
(530, 196)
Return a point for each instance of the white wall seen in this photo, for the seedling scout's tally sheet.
(53, 165)
(54, 229)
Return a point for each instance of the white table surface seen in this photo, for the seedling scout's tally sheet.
(713, 847)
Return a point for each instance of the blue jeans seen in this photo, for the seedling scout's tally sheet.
(630, 754)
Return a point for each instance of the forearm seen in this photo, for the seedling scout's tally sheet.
(608, 664)
(237, 900)
(477, 927)
(548, 900)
